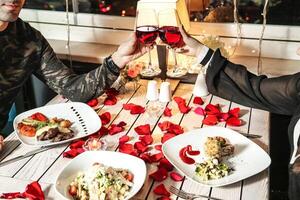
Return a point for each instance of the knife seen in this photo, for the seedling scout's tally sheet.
(30, 153)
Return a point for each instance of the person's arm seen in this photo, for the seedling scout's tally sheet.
(1, 143)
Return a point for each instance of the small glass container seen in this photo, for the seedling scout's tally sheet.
(95, 144)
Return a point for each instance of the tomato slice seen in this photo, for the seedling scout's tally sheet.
(27, 130)
(39, 116)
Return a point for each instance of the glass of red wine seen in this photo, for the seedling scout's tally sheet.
(146, 33)
(169, 33)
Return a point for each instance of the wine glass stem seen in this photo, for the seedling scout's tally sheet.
(149, 54)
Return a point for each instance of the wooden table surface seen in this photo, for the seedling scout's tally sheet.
(45, 166)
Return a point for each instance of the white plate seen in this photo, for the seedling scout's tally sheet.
(85, 121)
(248, 158)
(114, 159)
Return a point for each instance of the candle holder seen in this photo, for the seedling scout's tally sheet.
(95, 144)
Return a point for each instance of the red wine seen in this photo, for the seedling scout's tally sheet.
(171, 36)
(147, 34)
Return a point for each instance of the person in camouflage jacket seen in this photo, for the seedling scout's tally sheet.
(24, 51)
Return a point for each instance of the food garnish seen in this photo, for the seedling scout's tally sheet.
(188, 150)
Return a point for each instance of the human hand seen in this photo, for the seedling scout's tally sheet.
(193, 46)
(128, 51)
(1, 142)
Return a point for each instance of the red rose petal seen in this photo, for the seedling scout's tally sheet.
(184, 157)
(158, 147)
(121, 123)
(111, 92)
(210, 120)
(127, 148)
(164, 198)
(134, 109)
(156, 157)
(128, 106)
(223, 116)
(164, 163)
(73, 153)
(212, 109)
(77, 144)
(114, 129)
(124, 139)
(92, 102)
(235, 112)
(159, 175)
(161, 190)
(182, 105)
(170, 127)
(143, 129)
(198, 100)
(200, 111)
(110, 100)
(176, 177)
(140, 147)
(103, 131)
(233, 121)
(146, 157)
(168, 112)
(166, 137)
(105, 118)
(147, 139)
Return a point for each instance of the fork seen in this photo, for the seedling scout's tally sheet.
(189, 196)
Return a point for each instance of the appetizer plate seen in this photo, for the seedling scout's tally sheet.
(248, 158)
(85, 121)
(109, 158)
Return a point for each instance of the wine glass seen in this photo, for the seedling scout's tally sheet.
(146, 33)
(169, 33)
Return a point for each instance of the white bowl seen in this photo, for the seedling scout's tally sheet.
(114, 159)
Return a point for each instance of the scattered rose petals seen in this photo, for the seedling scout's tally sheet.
(176, 177)
(233, 121)
(166, 137)
(114, 129)
(183, 156)
(127, 148)
(212, 109)
(105, 118)
(182, 105)
(143, 129)
(77, 144)
(146, 157)
(159, 175)
(168, 112)
(163, 198)
(161, 190)
(164, 163)
(235, 112)
(110, 100)
(121, 123)
(210, 120)
(198, 100)
(200, 111)
(170, 127)
(111, 92)
(73, 153)
(158, 147)
(92, 102)
(140, 147)
(156, 157)
(223, 117)
(103, 131)
(134, 109)
(124, 139)
(147, 139)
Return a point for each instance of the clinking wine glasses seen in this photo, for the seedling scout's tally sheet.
(147, 32)
(169, 33)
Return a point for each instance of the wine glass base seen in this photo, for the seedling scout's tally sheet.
(177, 72)
(150, 72)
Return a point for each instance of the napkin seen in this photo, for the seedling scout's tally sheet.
(33, 191)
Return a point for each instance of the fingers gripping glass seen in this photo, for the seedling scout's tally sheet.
(169, 33)
(147, 32)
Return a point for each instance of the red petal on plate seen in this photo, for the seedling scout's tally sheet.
(210, 120)
(200, 111)
(156, 157)
(147, 139)
(164, 198)
(73, 153)
(184, 157)
(164, 163)
(223, 117)
(168, 112)
(159, 175)
(176, 177)
(146, 157)
(158, 147)
(235, 112)
(114, 129)
(77, 144)
(212, 109)
(143, 129)
(111, 92)
(110, 100)
(92, 102)
(198, 100)
(124, 139)
(161, 190)
(233, 121)
(182, 105)
(192, 152)
(127, 148)
(103, 131)
(105, 118)
(166, 137)
(140, 147)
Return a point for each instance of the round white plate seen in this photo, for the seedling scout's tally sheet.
(248, 158)
(114, 159)
(85, 121)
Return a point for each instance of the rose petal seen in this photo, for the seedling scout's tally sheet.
(200, 111)
(164, 198)
(110, 100)
(223, 117)
(158, 147)
(161, 190)
(92, 102)
(192, 152)
(147, 139)
(184, 157)
(143, 129)
(212, 109)
(121, 123)
(105, 118)
(159, 175)
(146, 157)
(233, 121)
(103, 131)
(128, 106)
(134, 109)
(176, 177)
(170, 127)
(198, 100)
(140, 147)
(183, 108)
(235, 112)
(168, 112)
(77, 144)
(164, 163)
(210, 120)
(73, 153)
(128, 149)
(114, 129)
(156, 157)
(124, 139)
(166, 137)
(111, 92)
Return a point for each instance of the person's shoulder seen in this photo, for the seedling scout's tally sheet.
(27, 29)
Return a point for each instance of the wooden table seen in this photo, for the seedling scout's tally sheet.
(45, 166)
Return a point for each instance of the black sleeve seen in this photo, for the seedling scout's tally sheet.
(233, 82)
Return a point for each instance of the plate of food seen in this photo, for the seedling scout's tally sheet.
(101, 175)
(215, 156)
(56, 124)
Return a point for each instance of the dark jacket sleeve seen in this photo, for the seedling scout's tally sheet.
(233, 82)
(75, 87)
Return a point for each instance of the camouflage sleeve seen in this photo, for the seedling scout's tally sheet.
(75, 87)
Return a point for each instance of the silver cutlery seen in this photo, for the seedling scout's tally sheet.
(189, 196)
